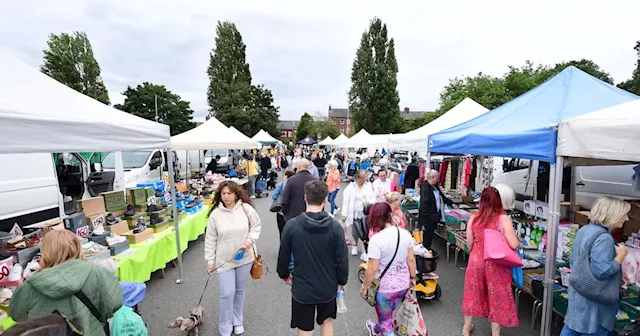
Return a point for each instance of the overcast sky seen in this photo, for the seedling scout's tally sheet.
(303, 51)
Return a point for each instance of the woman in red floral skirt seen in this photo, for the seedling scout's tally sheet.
(487, 286)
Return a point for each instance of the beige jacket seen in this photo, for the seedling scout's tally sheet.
(226, 231)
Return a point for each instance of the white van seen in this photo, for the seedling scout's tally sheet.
(28, 190)
(139, 166)
(592, 182)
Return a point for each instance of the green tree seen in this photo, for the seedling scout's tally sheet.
(324, 128)
(233, 100)
(633, 85)
(172, 110)
(69, 60)
(373, 96)
(305, 127)
(492, 92)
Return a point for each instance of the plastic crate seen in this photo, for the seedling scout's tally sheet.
(451, 237)
(560, 304)
(633, 311)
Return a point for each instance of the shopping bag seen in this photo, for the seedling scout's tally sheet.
(407, 319)
(127, 323)
(516, 272)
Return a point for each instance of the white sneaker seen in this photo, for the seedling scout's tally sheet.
(364, 257)
(354, 250)
(238, 330)
(16, 273)
(252, 196)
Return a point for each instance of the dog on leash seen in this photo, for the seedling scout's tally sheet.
(190, 325)
(271, 182)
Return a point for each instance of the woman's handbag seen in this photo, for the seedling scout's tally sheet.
(586, 284)
(276, 205)
(497, 250)
(407, 318)
(257, 269)
(375, 284)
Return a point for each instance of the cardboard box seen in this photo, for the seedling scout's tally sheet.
(150, 192)
(542, 210)
(160, 226)
(118, 228)
(91, 206)
(564, 209)
(135, 238)
(99, 219)
(137, 196)
(631, 226)
(131, 221)
(634, 213)
(119, 247)
(114, 200)
(55, 226)
(581, 217)
(119, 213)
(529, 207)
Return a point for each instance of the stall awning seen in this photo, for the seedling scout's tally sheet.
(526, 127)
(41, 115)
(212, 134)
(612, 133)
(326, 142)
(263, 137)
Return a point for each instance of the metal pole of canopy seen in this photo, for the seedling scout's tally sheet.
(555, 189)
(174, 208)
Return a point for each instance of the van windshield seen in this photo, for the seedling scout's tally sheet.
(211, 153)
(130, 160)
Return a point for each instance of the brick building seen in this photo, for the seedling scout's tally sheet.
(287, 130)
(342, 118)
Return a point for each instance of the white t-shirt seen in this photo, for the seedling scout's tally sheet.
(382, 245)
(380, 188)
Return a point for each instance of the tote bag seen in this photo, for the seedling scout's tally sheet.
(497, 250)
(407, 318)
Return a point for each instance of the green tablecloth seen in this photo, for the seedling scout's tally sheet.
(154, 254)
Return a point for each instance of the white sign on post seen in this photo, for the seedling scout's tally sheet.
(16, 230)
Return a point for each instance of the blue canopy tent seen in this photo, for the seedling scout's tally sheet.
(526, 127)
(307, 141)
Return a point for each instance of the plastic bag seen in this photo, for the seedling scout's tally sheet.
(127, 323)
(407, 319)
(516, 273)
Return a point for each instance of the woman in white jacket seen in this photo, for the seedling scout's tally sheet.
(234, 226)
(355, 198)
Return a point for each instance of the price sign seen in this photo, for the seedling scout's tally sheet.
(151, 200)
(5, 269)
(167, 197)
(16, 230)
(98, 223)
(83, 231)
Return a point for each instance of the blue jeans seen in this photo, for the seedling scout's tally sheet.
(566, 331)
(332, 199)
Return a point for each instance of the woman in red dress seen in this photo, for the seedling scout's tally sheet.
(487, 286)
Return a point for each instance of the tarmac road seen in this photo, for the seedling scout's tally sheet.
(268, 301)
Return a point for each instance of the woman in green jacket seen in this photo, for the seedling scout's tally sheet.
(65, 277)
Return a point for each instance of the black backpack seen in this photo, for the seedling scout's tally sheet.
(631, 329)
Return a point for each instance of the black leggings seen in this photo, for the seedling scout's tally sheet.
(281, 222)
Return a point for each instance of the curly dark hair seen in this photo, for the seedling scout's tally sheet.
(235, 188)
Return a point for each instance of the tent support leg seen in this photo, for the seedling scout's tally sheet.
(174, 209)
(555, 189)
(572, 199)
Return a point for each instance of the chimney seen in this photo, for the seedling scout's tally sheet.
(329, 107)
(406, 110)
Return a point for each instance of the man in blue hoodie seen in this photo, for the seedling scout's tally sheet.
(321, 262)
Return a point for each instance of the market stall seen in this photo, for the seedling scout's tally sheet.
(326, 142)
(264, 138)
(526, 127)
(40, 115)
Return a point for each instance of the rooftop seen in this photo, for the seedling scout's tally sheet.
(288, 124)
(338, 112)
(406, 113)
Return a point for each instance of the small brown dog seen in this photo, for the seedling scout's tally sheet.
(190, 325)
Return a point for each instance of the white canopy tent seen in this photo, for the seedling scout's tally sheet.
(340, 140)
(263, 137)
(364, 139)
(328, 141)
(416, 140)
(40, 115)
(212, 134)
(612, 133)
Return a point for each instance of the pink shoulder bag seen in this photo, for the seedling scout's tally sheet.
(497, 249)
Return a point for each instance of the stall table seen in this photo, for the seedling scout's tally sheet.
(141, 260)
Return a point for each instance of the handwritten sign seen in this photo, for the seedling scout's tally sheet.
(83, 231)
(16, 230)
(98, 223)
(5, 269)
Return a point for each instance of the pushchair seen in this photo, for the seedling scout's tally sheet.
(261, 187)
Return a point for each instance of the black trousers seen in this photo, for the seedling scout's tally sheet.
(281, 222)
(428, 232)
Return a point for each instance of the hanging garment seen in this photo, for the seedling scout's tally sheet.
(443, 172)
(455, 174)
(474, 175)
(447, 181)
(422, 168)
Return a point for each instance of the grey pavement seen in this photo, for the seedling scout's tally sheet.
(268, 301)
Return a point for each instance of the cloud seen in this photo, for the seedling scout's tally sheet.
(303, 52)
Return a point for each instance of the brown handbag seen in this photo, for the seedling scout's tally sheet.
(257, 269)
